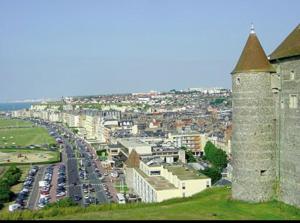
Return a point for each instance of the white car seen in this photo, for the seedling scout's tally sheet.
(61, 194)
(14, 207)
(45, 196)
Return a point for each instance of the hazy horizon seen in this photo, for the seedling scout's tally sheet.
(50, 49)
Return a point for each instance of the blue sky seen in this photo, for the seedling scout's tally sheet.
(55, 48)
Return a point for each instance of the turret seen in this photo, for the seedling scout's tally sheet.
(253, 140)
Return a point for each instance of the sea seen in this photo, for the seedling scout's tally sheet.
(4, 107)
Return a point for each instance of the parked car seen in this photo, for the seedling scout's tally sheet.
(77, 198)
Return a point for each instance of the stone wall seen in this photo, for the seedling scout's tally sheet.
(289, 128)
(253, 140)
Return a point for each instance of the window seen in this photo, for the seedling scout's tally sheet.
(263, 172)
(207, 183)
(292, 75)
(282, 104)
(155, 172)
(293, 101)
(238, 81)
(183, 186)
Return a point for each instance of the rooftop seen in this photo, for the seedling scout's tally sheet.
(289, 47)
(185, 173)
(253, 57)
(132, 142)
(157, 182)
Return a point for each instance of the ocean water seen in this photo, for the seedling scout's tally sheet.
(14, 106)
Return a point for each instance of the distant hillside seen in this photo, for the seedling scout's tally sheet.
(214, 203)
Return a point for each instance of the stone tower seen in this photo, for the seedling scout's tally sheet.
(286, 60)
(253, 118)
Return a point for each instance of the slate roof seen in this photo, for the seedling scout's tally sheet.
(289, 47)
(253, 58)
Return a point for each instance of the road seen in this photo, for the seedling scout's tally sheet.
(74, 187)
(74, 184)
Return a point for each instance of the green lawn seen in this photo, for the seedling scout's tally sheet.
(25, 136)
(212, 204)
(14, 123)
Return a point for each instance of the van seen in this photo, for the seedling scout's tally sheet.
(121, 198)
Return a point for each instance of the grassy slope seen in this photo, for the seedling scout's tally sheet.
(204, 206)
(211, 204)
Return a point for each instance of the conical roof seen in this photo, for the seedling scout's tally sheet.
(289, 47)
(253, 57)
(133, 159)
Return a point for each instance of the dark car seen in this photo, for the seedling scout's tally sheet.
(92, 189)
(77, 198)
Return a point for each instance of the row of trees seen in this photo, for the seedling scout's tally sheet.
(219, 160)
(10, 178)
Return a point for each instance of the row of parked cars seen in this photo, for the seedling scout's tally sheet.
(22, 197)
(88, 199)
(83, 174)
(45, 186)
(107, 193)
(61, 181)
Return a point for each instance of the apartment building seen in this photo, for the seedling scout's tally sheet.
(155, 181)
(191, 140)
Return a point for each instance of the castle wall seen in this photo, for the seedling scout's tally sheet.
(289, 128)
(253, 142)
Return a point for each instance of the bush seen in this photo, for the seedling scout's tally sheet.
(66, 202)
(99, 152)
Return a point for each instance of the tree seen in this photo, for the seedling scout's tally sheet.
(213, 173)
(75, 131)
(215, 156)
(218, 159)
(189, 155)
(4, 192)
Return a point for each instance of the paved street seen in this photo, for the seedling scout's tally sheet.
(73, 181)
(92, 177)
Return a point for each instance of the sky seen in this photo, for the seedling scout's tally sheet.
(55, 48)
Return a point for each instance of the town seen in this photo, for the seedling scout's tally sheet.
(140, 147)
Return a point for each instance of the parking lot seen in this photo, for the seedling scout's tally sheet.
(82, 178)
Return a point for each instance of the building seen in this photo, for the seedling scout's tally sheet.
(266, 122)
(155, 181)
(191, 140)
(129, 144)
